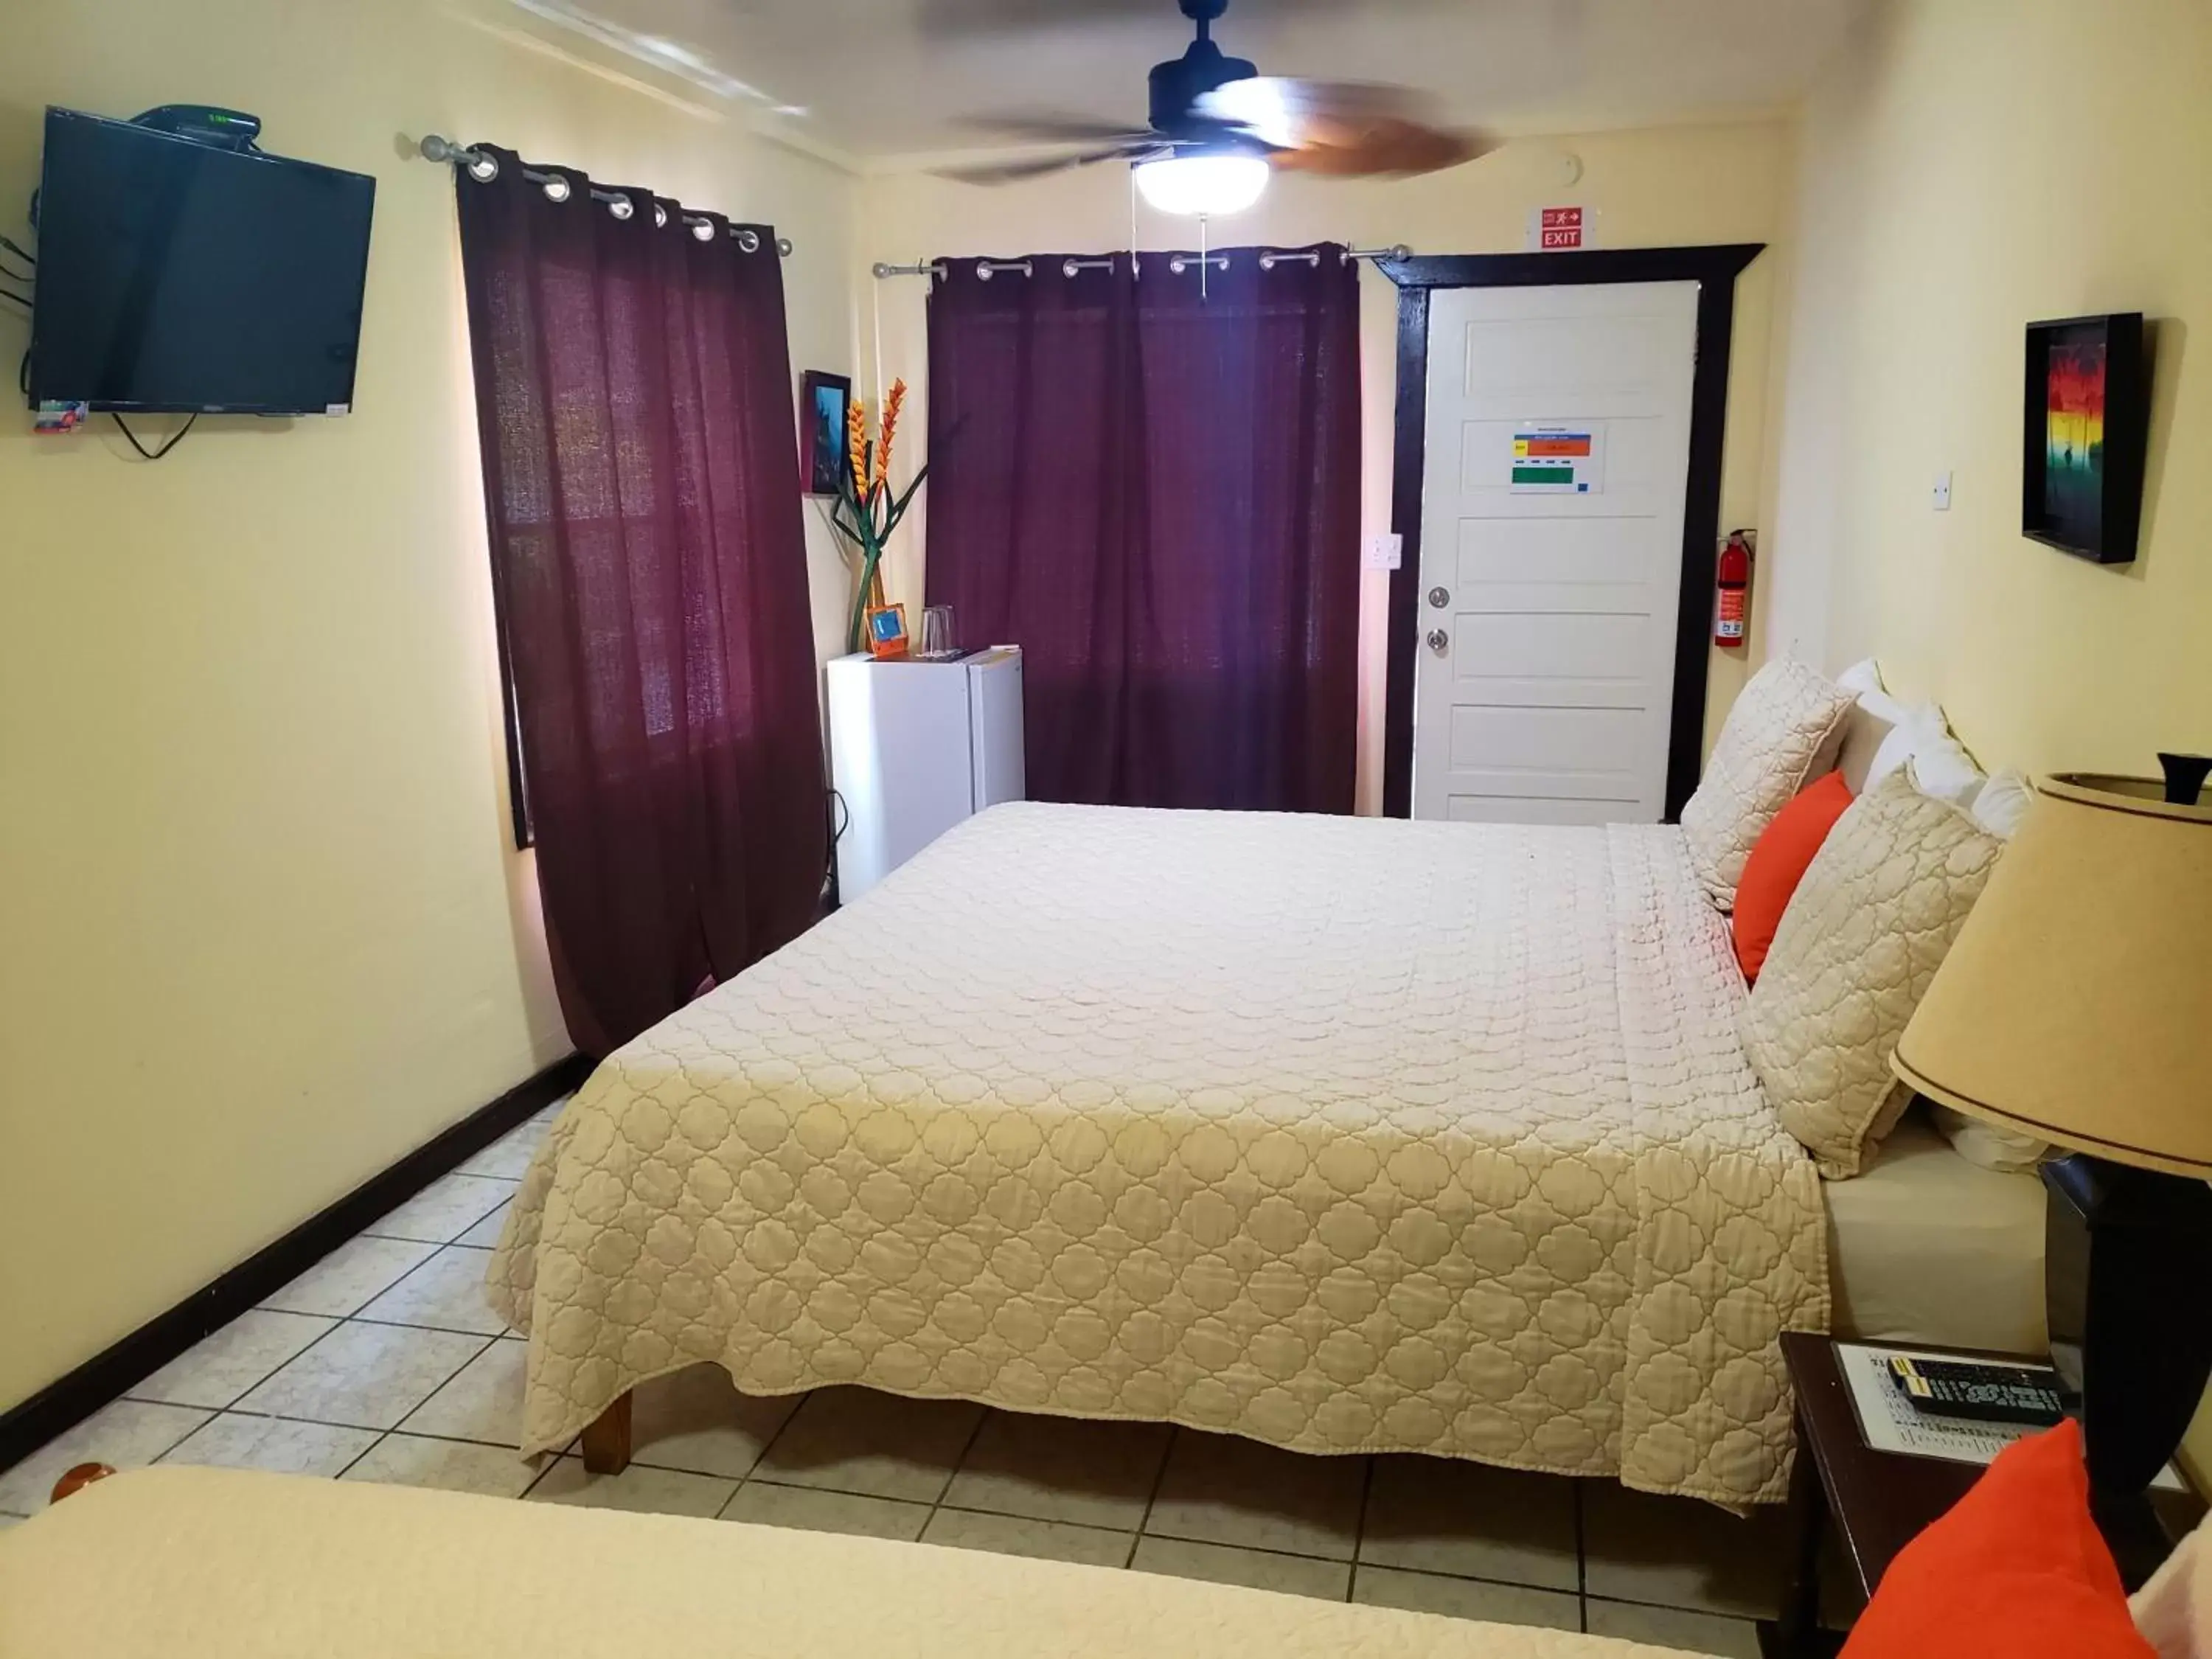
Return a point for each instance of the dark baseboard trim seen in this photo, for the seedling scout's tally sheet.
(63, 1404)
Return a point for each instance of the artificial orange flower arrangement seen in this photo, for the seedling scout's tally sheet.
(867, 510)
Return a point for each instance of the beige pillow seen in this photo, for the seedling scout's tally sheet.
(1863, 935)
(1779, 729)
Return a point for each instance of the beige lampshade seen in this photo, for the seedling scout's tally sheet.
(2076, 1005)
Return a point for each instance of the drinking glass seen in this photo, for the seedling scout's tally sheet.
(937, 631)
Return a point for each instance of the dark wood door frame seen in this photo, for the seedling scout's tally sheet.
(1714, 269)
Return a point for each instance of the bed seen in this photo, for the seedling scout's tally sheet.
(1344, 1135)
(1927, 1248)
(175, 1563)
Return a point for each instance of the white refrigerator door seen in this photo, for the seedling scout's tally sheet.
(994, 708)
(899, 755)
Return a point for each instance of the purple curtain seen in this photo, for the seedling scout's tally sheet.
(634, 394)
(1155, 492)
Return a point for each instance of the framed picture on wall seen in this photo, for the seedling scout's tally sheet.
(2085, 437)
(823, 402)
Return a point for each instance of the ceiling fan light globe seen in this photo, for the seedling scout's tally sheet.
(1206, 184)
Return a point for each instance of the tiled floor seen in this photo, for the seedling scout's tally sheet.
(381, 1363)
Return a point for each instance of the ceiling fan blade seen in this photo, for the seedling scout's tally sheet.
(1282, 110)
(1384, 148)
(1037, 166)
(1343, 129)
(1045, 127)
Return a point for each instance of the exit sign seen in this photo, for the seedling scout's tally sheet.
(1560, 229)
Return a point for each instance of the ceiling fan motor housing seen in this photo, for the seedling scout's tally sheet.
(1179, 83)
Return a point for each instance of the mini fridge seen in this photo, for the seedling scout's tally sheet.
(914, 748)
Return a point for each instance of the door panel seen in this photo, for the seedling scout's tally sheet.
(1548, 615)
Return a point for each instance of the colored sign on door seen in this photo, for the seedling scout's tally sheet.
(1554, 460)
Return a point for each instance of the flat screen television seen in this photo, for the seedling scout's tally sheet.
(177, 275)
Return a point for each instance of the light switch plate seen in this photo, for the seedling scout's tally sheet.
(1940, 497)
(1385, 552)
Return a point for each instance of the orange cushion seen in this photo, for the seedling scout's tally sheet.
(1778, 863)
(2018, 1568)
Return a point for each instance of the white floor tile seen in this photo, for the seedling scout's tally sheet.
(369, 1377)
(410, 1460)
(444, 1293)
(1221, 1489)
(1702, 1633)
(485, 1234)
(1468, 1520)
(220, 1368)
(879, 1446)
(764, 1505)
(352, 1275)
(1219, 1564)
(444, 1209)
(1014, 1534)
(129, 1434)
(482, 1402)
(654, 1492)
(1062, 1468)
(1466, 1598)
(697, 1421)
(1680, 1552)
(508, 1158)
(234, 1441)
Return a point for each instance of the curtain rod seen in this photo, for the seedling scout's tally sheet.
(483, 167)
(1269, 258)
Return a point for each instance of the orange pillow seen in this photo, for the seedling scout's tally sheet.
(2018, 1568)
(1778, 861)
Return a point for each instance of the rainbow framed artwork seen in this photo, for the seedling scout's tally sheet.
(2086, 432)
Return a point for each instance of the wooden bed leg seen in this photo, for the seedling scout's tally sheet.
(606, 1439)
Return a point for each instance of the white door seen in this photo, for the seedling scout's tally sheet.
(1558, 463)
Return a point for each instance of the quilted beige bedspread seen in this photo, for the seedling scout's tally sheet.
(1344, 1134)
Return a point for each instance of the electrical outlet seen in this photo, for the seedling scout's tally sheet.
(1940, 497)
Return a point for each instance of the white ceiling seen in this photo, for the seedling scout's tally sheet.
(873, 79)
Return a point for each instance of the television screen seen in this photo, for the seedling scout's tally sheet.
(176, 276)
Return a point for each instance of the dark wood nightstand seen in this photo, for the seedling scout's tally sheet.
(1876, 1503)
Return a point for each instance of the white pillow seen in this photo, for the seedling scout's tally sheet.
(1862, 678)
(2006, 1151)
(1864, 933)
(2174, 1611)
(2002, 802)
(1782, 723)
(1870, 722)
(1999, 807)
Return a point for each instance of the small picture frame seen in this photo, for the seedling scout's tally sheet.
(2086, 436)
(885, 626)
(823, 402)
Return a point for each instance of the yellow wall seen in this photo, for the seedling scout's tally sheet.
(1669, 185)
(1972, 168)
(264, 929)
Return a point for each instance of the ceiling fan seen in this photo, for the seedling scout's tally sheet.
(1219, 129)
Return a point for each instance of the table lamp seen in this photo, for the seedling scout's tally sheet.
(2076, 1007)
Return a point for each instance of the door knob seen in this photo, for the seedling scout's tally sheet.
(1439, 597)
(1439, 642)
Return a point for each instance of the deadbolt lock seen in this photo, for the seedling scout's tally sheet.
(1439, 597)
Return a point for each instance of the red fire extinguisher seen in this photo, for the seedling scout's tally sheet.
(1732, 620)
